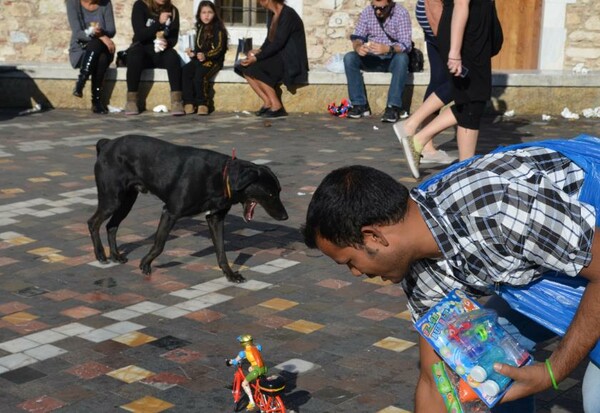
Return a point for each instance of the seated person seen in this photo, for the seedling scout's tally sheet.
(207, 58)
(381, 41)
(281, 58)
(155, 34)
(91, 49)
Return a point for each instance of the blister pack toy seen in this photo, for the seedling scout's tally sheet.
(470, 340)
(458, 396)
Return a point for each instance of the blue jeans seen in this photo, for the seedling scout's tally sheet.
(396, 64)
(528, 333)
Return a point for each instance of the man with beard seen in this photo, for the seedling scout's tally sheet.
(381, 41)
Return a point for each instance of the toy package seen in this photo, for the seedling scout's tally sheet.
(458, 396)
(470, 340)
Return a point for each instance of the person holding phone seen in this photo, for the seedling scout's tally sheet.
(465, 45)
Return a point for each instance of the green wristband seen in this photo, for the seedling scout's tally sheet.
(549, 367)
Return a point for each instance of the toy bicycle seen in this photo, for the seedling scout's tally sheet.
(265, 391)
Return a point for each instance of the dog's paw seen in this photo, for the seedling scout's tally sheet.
(121, 259)
(101, 258)
(235, 277)
(146, 268)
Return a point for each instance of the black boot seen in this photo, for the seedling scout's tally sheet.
(84, 73)
(97, 105)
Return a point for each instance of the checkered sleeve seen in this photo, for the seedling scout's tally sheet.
(362, 26)
(543, 226)
(401, 28)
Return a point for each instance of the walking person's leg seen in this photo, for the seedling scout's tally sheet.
(437, 95)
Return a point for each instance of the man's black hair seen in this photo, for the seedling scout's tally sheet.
(350, 198)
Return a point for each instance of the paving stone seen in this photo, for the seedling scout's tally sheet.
(351, 341)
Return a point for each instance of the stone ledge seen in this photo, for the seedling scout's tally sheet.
(526, 92)
(317, 76)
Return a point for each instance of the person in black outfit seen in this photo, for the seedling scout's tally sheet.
(465, 43)
(155, 34)
(281, 58)
(206, 58)
(91, 49)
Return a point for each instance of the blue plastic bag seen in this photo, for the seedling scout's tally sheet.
(553, 299)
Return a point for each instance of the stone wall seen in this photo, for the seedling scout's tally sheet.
(37, 30)
(583, 34)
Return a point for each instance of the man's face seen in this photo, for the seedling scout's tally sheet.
(372, 259)
(381, 8)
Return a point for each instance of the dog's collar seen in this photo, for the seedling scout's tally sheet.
(226, 181)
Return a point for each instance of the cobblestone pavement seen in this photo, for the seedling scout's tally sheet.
(76, 336)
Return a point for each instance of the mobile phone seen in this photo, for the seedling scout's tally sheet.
(464, 71)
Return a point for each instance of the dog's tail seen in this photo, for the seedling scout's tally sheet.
(100, 144)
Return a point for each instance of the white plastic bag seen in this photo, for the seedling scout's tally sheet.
(335, 63)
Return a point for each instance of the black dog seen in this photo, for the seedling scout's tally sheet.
(188, 180)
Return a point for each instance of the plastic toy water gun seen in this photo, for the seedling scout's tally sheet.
(483, 343)
(341, 110)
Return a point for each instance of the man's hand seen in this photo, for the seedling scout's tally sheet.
(362, 49)
(378, 48)
(528, 380)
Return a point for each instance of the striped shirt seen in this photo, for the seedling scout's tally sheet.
(422, 18)
(397, 25)
(504, 218)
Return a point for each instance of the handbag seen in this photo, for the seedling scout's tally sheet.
(122, 58)
(244, 46)
(416, 61)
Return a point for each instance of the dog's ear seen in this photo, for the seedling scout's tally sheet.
(242, 174)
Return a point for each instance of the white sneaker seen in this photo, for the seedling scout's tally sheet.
(439, 157)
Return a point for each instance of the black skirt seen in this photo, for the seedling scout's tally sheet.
(268, 71)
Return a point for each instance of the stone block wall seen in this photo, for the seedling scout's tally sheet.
(583, 34)
(37, 30)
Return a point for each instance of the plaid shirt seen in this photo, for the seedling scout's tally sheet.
(397, 25)
(504, 218)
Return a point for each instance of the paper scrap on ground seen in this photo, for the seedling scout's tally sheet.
(580, 69)
(567, 114)
(160, 108)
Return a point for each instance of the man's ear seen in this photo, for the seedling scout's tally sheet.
(373, 233)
